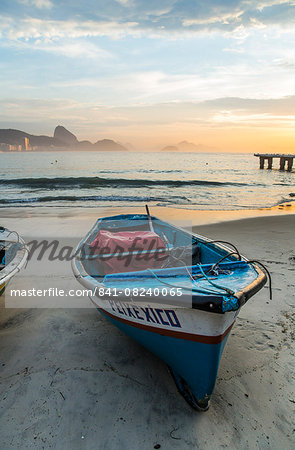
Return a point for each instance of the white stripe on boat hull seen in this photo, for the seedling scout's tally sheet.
(159, 317)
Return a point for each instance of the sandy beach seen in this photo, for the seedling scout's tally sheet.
(70, 380)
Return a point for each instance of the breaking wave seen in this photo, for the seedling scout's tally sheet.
(93, 182)
(94, 198)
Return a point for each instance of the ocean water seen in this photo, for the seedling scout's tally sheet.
(219, 181)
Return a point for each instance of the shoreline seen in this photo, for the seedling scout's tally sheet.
(184, 217)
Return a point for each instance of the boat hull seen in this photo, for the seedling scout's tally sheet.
(15, 256)
(188, 332)
(191, 343)
(2, 289)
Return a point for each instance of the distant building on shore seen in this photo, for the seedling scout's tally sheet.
(15, 147)
(25, 146)
(4, 147)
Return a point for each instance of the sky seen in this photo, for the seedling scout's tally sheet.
(218, 73)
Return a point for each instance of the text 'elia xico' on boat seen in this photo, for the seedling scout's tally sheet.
(176, 293)
(13, 256)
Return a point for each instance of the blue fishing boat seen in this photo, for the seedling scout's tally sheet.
(13, 256)
(175, 292)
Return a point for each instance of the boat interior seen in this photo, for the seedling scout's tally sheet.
(183, 248)
(208, 272)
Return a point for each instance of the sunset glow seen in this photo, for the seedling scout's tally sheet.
(218, 74)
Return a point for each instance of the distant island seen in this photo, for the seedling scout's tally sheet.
(62, 140)
(185, 146)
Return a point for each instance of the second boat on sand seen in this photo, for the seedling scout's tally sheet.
(13, 256)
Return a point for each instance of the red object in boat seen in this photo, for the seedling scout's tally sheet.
(128, 251)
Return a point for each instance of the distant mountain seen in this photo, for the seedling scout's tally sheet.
(170, 148)
(65, 136)
(185, 146)
(108, 144)
(128, 146)
(85, 145)
(61, 140)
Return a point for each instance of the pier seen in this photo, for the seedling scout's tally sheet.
(269, 158)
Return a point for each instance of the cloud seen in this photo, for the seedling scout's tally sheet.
(35, 28)
(40, 4)
(69, 48)
(89, 115)
(155, 86)
(117, 18)
(75, 50)
(68, 38)
(125, 2)
(225, 19)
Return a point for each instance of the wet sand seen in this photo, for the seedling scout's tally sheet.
(70, 380)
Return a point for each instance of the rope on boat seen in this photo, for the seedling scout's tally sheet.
(201, 290)
(236, 252)
(227, 243)
(229, 291)
(195, 283)
(268, 274)
(179, 286)
(224, 257)
(204, 290)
